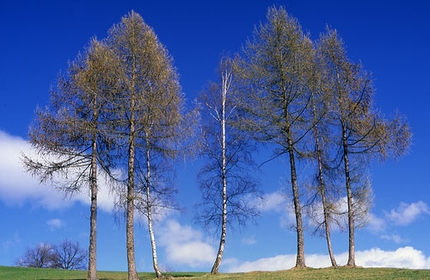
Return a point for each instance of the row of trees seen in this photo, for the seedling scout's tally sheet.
(67, 255)
(119, 111)
(309, 102)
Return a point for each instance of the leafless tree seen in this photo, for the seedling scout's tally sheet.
(42, 256)
(67, 255)
(225, 181)
(70, 256)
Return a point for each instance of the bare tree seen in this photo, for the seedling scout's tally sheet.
(67, 255)
(69, 136)
(276, 66)
(227, 188)
(70, 256)
(42, 256)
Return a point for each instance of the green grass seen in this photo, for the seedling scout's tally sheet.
(18, 273)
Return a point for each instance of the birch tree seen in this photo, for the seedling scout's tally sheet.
(150, 122)
(226, 185)
(69, 136)
(275, 65)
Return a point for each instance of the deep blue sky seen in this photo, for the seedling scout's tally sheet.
(391, 38)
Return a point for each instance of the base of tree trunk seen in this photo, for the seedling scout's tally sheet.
(299, 267)
(352, 266)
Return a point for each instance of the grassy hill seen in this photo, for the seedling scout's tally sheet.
(18, 273)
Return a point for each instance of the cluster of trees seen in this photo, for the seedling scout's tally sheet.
(312, 103)
(67, 255)
(119, 111)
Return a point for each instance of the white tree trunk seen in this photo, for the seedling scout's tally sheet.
(149, 214)
(226, 79)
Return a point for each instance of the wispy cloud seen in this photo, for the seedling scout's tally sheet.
(405, 214)
(55, 224)
(11, 242)
(376, 224)
(404, 257)
(277, 202)
(395, 238)
(185, 245)
(18, 187)
(272, 202)
(249, 240)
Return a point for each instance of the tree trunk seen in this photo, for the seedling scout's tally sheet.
(300, 261)
(217, 264)
(92, 260)
(322, 186)
(215, 267)
(149, 213)
(132, 273)
(327, 229)
(351, 242)
(325, 206)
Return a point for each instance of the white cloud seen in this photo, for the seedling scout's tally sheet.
(278, 203)
(407, 213)
(405, 257)
(185, 246)
(55, 224)
(376, 224)
(17, 186)
(395, 238)
(280, 262)
(249, 240)
(272, 202)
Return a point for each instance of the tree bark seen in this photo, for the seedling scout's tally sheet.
(132, 273)
(216, 265)
(300, 260)
(322, 186)
(149, 214)
(92, 260)
(327, 229)
(351, 241)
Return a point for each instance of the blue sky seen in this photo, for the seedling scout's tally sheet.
(391, 38)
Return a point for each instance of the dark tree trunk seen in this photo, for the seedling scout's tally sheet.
(351, 241)
(300, 261)
(92, 260)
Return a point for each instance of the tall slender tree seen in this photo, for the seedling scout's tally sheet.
(321, 152)
(276, 65)
(149, 111)
(227, 187)
(361, 131)
(69, 135)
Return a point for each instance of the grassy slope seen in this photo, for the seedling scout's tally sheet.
(18, 273)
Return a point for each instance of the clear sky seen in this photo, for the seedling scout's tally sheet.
(391, 38)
